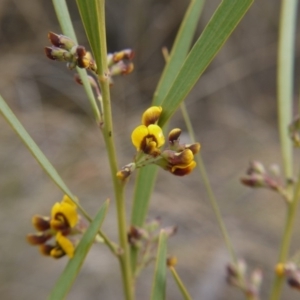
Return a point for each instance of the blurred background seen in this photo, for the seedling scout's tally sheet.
(233, 110)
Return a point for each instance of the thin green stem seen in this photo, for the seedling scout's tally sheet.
(213, 200)
(285, 80)
(182, 288)
(285, 86)
(107, 130)
(286, 240)
(208, 187)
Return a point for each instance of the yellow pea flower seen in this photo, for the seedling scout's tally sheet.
(148, 138)
(64, 214)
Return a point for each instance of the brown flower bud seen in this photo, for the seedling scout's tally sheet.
(174, 135)
(41, 223)
(55, 53)
(38, 238)
(61, 41)
(151, 115)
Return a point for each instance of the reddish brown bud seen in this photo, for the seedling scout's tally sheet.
(61, 41)
(80, 51)
(41, 223)
(54, 39)
(38, 238)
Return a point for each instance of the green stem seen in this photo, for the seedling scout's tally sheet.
(285, 74)
(213, 201)
(208, 187)
(183, 290)
(286, 49)
(286, 241)
(107, 130)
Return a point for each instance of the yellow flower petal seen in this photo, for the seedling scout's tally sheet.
(151, 115)
(66, 199)
(65, 211)
(157, 133)
(65, 244)
(138, 135)
(181, 170)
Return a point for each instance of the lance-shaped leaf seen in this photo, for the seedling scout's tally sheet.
(72, 269)
(146, 176)
(92, 16)
(179, 50)
(33, 148)
(225, 19)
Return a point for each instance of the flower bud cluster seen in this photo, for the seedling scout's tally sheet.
(257, 176)
(119, 63)
(249, 285)
(148, 140)
(63, 223)
(179, 158)
(145, 239)
(65, 49)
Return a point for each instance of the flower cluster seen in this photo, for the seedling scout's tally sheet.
(148, 139)
(63, 223)
(65, 49)
(238, 276)
(145, 240)
(258, 177)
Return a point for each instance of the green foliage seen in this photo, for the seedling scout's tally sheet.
(215, 34)
(181, 72)
(93, 20)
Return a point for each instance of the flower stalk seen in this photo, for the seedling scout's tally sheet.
(107, 131)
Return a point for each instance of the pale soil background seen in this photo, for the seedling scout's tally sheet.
(233, 109)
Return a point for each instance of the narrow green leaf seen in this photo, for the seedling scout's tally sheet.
(215, 34)
(146, 176)
(140, 207)
(72, 269)
(90, 16)
(66, 25)
(160, 275)
(33, 148)
(179, 51)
